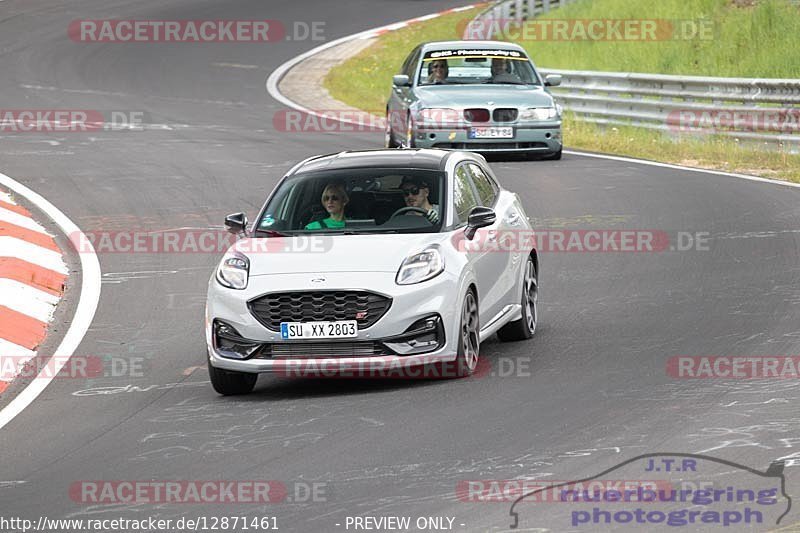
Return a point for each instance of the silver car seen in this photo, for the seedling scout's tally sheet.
(376, 263)
(483, 96)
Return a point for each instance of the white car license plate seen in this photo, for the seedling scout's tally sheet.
(341, 329)
(491, 133)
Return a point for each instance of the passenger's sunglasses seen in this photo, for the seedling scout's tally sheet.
(411, 190)
(332, 198)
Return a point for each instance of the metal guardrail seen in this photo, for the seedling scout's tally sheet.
(518, 10)
(761, 110)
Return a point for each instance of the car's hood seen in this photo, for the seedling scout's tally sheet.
(332, 253)
(481, 95)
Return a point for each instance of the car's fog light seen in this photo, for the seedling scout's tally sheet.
(424, 335)
(229, 343)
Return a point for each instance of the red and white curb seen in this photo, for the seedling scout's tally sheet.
(32, 278)
(44, 261)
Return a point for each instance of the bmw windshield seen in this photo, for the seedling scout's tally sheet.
(354, 201)
(459, 67)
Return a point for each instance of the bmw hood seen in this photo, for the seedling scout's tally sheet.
(312, 253)
(460, 96)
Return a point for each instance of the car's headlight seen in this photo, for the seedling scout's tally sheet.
(438, 116)
(234, 271)
(538, 113)
(420, 267)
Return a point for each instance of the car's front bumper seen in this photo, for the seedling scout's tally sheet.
(542, 138)
(410, 303)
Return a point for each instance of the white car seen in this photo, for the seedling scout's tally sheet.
(384, 259)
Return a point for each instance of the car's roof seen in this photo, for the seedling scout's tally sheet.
(477, 45)
(424, 159)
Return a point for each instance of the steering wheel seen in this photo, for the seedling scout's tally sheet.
(404, 210)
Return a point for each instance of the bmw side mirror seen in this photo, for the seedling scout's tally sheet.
(401, 80)
(552, 80)
(479, 217)
(236, 223)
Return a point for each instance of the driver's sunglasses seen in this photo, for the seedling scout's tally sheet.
(332, 198)
(411, 190)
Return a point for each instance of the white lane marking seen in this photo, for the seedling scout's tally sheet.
(276, 75)
(235, 65)
(84, 312)
(9, 349)
(44, 257)
(21, 220)
(27, 300)
(679, 167)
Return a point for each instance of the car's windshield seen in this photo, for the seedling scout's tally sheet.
(356, 201)
(450, 67)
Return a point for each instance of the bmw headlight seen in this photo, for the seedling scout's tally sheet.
(234, 271)
(538, 113)
(421, 266)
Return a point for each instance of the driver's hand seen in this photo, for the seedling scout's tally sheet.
(432, 216)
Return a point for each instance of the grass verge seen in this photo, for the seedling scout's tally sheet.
(364, 81)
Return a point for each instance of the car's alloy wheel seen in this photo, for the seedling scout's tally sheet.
(525, 327)
(230, 383)
(469, 337)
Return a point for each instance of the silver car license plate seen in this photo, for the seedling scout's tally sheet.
(341, 329)
(491, 133)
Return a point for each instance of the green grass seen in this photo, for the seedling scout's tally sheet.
(364, 81)
(717, 152)
(751, 41)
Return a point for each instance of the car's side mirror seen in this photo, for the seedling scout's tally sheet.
(236, 223)
(552, 80)
(401, 80)
(479, 217)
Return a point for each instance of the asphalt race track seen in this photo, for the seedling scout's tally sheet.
(589, 391)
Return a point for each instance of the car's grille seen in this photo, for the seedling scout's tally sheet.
(490, 145)
(476, 115)
(314, 306)
(505, 114)
(301, 350)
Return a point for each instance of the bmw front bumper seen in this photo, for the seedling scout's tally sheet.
(542, 138)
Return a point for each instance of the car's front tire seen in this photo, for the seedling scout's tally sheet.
(469, 337)
(525, 327)
(230, 383)
(409, 133)
(389, 141)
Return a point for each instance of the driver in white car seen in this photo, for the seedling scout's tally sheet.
(415, 193)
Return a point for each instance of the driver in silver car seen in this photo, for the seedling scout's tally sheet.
(415, 193)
